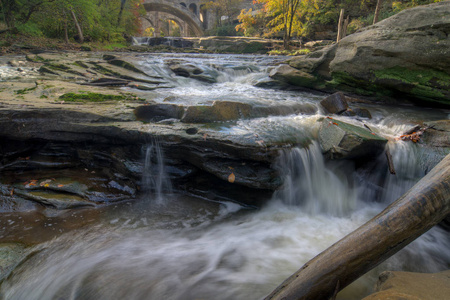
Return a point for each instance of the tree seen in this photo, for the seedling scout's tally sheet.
(284, 17)
(251, 22)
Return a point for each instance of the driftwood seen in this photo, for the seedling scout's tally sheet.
(390, 161)
(423, 206)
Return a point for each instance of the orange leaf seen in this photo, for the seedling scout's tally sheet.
(12, 192)
(231, 178)
(60, 185)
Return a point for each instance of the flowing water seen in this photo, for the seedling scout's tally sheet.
(169, 246)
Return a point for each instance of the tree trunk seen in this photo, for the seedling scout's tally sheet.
(119, 18)
(66, 31)
(344, 28)
(341, 20)
(377, 11)
(77, 25)
(8, 16)
(423, 206)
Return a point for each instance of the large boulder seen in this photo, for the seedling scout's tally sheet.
(406, 56)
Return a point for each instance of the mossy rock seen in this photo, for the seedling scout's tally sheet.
(95, 97)
(342, 140)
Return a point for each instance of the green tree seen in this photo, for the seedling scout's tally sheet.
(284, 17)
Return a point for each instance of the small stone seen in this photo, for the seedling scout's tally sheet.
(191, 131)
(335, 103)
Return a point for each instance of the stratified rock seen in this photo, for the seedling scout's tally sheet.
(11, 254)
(412, 286)
(343, 140)
(158, 112)
(335, 104)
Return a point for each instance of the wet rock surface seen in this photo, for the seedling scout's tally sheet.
(342, 140)
(78, 136)
(11, 254)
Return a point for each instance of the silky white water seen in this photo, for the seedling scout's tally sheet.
(170, 246)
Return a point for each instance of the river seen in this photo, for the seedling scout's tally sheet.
(167, 245)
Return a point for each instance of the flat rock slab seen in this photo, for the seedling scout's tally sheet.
(412, 286)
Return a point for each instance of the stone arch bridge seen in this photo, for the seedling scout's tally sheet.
(188, 14)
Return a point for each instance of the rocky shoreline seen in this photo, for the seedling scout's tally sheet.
(72, 137)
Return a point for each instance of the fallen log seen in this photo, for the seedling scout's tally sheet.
(423, 206)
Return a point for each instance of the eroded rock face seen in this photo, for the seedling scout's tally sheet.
(406, 56)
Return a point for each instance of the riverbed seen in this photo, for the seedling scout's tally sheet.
(166, 244)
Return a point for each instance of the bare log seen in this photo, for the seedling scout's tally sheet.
(377, 11)
(341, 21)
(77, 25)
(390, 160)
(423, 206)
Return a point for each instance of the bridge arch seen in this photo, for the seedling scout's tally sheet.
(178, 11)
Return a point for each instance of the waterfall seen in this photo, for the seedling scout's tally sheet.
(154, 178)
(376, 182)
(314, 186)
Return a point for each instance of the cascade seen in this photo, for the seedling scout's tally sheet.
(154, 177)
(312, 185)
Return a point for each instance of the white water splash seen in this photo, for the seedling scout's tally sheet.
(154, 177)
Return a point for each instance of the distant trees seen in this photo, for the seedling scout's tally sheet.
(101, 20)
(289, 18)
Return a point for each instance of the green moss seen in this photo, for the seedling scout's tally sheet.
(36, 58)
(25, 91)
(81, 64)
(415, 77)
(91, 97)
(253, 47)
(429, 85)
(43, 97)
(97, 97)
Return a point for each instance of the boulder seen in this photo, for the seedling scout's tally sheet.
(405, 56)
(412, 286)
(220, 111)
(335, 103)
(437, 134)
(342, 140)
(288, 74)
